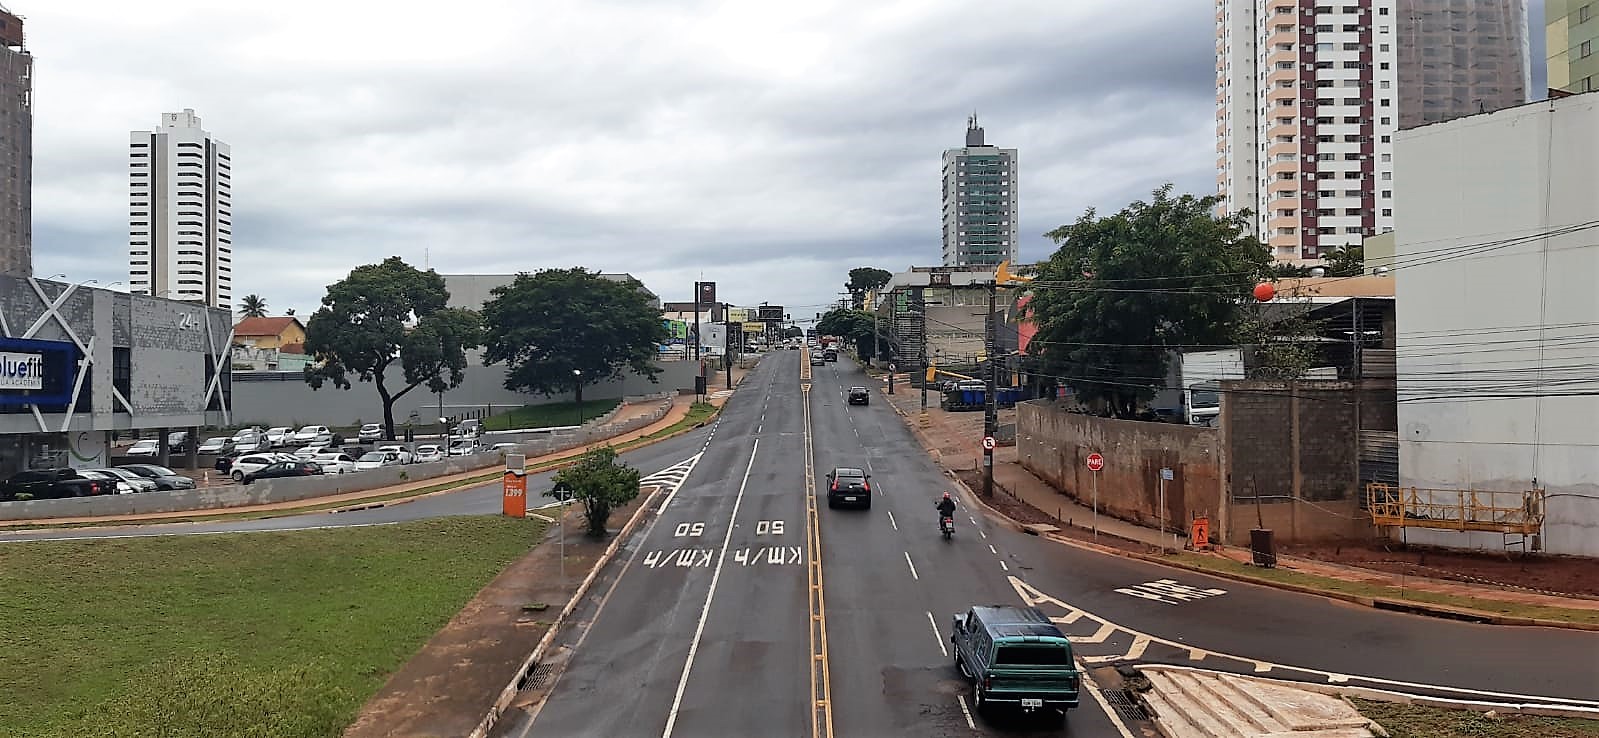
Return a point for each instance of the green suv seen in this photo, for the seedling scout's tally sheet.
(1016, 658)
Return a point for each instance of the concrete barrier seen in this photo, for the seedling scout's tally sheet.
(269, 491)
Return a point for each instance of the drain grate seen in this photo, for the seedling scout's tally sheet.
(537, 678)
(1126, 705)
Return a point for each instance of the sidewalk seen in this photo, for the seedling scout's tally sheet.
(954, 441)
(680, 408)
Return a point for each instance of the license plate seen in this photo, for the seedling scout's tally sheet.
(849, 499)
(1032, 704)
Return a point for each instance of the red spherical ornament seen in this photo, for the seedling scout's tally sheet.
(1265, 291)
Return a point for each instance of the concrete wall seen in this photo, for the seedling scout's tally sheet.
(1054, 444)
(304, 488)
(287, 400)
(1495, 352)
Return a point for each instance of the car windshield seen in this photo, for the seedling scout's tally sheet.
(145, 444)
(1039, 655)
(371, 456)
(215, 441)
(154, 471)
(427, 449)
(854, 473)
(310, 429)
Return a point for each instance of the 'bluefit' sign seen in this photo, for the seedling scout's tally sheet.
(21, 371)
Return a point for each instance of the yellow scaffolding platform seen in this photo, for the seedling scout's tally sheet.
(1456, 509)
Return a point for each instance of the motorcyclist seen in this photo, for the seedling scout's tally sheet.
(946, 508)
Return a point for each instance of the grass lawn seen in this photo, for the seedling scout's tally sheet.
(1362, 589)
(549, 414)
(260, 634)
(698, 413)
(1414, 721)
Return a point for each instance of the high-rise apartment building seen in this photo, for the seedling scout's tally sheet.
(1571, 32)
(1306, 110)
(980, 198)
(180, 204)
(1461, 57)
(16, 149)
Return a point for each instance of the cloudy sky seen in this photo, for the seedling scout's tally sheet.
(768, 146)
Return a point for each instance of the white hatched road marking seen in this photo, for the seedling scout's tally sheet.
(672, 478)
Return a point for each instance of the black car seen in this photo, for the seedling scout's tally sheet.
(164, 478)
(297, 468)
(50, 484)
(847, 486)
(859, 396)
(224, 462)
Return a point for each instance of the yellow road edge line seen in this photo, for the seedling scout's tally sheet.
(816, 599)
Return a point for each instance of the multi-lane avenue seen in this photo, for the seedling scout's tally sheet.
(714, 622)
(743, 606)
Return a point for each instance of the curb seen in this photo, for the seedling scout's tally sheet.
(1413, 607)
(508, 695)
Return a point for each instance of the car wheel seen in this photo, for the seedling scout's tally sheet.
(980, 700)
(868, 504)
(960, 666)
(831, 504)
(238, 476)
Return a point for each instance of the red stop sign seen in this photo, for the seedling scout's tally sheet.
(1095, 462)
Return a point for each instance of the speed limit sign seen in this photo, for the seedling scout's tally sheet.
(988, 443)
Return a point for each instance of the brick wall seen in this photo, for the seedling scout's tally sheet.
(1054, 444)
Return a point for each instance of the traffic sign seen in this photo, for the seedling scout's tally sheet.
(988, 443)
(1095, 462)
(1166, 473)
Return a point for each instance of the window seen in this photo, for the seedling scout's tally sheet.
(1032, 655)
(1382, 65)
(1385, 102)
(1387, 212)
(1351, 211)
(1584, 13)
(1585, 50)
(1324, 28)
(1387, 194)
(1382, 11)
(1351, 175)
(1383, 84)
(1387, 157)
(1387, 176)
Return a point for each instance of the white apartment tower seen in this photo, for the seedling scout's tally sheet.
(1306, 110)
(180, 205)
(979, 202)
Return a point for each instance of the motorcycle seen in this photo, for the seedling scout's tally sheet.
(947, 525)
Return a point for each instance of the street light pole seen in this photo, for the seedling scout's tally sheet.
(578, 374)
(990, 401)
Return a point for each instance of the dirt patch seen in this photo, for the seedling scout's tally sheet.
(448, 686)
(1514, 570)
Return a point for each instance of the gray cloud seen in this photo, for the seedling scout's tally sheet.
(769, 147)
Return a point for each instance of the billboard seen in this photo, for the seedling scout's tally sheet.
(769, 313)
(676, 330)
(21, 371)
(705, 293)
(740, 315)
(35, 372)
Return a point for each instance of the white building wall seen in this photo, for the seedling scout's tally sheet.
(180, 205)
(1496, 258)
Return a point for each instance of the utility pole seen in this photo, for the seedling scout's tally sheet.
(990, 399)
(695, 329)
(875, 352)
(921, 348)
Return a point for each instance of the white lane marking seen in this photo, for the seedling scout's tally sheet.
(939, 637)
(759, 426)
(705, 612)
(974, 520)
(912, 566)
(891, 520)
(1104, 706)
(1140, 644)
(968, 713)
(991, 549)
(1003, 565)
(984, 535)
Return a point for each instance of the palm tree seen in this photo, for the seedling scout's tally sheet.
(252, 306)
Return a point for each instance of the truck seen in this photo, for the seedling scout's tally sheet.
(50, 484)
(1016, 658)
(1201, 375)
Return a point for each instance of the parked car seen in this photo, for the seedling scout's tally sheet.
(312, 433)
(216, 445)
(139, 483)
(122, 486)
(50, 484)
(164, 478)
(376, 459)
(311, 449)
(428, 452)
(254, 430)
(251, 443)
(370, 432)
(146, 447)
(178, 442)
(279, 436)
(463, 447)
(250, 463)
(469, 428)
(334, 462)
(504, 447)
(859, 396)
(405, 455)
(1015, 657)
(830, 354)
(296, 468)
(847, 485)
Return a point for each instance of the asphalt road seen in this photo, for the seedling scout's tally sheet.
(702, 627)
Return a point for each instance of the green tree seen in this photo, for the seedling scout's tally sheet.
(862, 279)
(601, 483)
(252, 306)
(383, 313)
(793, 332)
(855, 326)
(1346, 261)
(1123, 290)
(562, 329)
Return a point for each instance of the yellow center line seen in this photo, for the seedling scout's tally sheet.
(821, 686)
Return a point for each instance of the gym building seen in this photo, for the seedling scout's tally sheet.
(79, 365)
